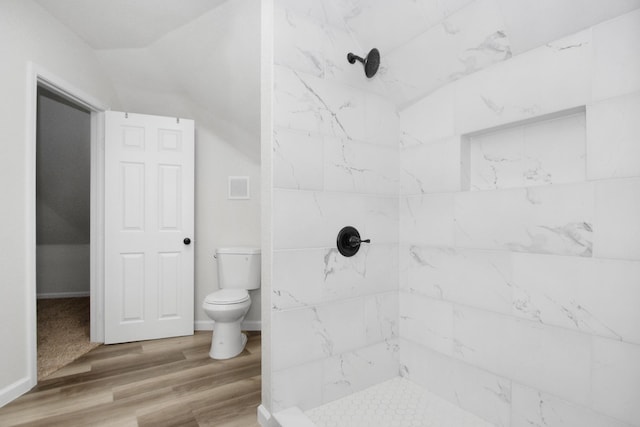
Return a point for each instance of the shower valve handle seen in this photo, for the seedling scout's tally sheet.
(349, 241)
(355, 241)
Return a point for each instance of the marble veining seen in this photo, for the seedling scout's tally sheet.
(533, 408)
(573, 238)
(523, 304)
(322, 333)
(277, 151)
(495, 46)
(418, 258)
(550, 219)
(470, 39)
(536, 173)
(575, 293)
(576, 314)
(360, 167)
(279, 295)
(325, 107)
(334, 261)
(479, 278)
(297, 162)
(502, 391)
(540, 153)
(350, 372)
(381, 313)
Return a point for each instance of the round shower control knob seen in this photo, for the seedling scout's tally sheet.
(186, 241)
(349, 241)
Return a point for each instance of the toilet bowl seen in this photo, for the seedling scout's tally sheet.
(238, 272)
(227, 308)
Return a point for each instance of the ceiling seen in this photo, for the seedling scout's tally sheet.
(198, 59)
(201, 58)
(117, 24)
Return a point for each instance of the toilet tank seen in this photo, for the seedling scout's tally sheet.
(238, 268)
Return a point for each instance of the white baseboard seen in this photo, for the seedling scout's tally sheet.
(252, 325)
(247, 325)
(63, 295)
(15, 390)
(203, 325)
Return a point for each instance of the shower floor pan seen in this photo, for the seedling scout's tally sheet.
(394, 403)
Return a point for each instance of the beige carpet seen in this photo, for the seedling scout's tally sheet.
(63, 333)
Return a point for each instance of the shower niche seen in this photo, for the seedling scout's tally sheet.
(546, 150)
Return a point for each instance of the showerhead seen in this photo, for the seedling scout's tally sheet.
(371, 62)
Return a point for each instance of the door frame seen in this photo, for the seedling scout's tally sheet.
(38, 76)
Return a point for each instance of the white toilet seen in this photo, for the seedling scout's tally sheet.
(238, 272)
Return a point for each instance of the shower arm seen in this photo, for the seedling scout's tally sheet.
(353, 58)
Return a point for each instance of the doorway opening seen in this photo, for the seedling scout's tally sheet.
(63, 228)
(62, 92)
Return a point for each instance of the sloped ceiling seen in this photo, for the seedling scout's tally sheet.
(114, 24)
(199, 59)
(62, 192)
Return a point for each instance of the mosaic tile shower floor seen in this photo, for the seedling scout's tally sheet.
(394, 403)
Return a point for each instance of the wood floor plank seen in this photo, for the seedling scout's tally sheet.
(169, 379)
(115, 380)
(111, 351)
(70, 370)
(214, 396)
(54, 407)
(220, 378)
(122, 409)
(178, 343)
(105, 371)
(254, 345)
(177, 416)
(233, 408)
(161, 383)
(246, 420)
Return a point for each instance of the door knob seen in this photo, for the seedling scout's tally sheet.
(186, 241)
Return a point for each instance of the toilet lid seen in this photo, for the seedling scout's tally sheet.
(227, 296)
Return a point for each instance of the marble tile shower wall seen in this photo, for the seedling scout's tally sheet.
(520, 302)
(335, 163)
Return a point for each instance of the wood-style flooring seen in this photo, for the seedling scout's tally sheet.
(160, 383)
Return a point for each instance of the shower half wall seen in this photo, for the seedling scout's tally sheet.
(335, 163)
(510, 246)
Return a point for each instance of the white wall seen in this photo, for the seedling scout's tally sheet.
(521, 251)
(27, 33)
(63, 153)
(172, 77)
(221, 222)
(62, 271)
(63, 150)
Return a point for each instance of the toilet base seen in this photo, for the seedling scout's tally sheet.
(227, 340)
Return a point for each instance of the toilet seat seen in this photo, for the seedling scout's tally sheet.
(227, 296)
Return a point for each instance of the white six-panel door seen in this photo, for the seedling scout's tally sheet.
(149, 212)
